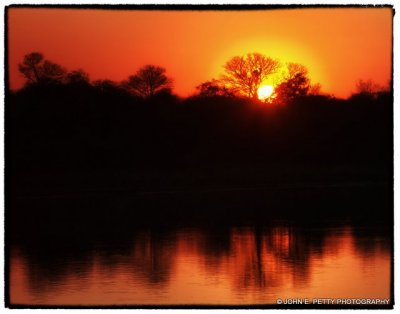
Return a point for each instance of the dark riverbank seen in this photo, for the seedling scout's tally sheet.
(83, 161)
(110, 204)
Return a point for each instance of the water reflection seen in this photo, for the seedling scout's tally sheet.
(246, 265)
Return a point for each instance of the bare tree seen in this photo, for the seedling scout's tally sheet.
(148, 81)
(244, 74)
(38, 70)
(368, 87)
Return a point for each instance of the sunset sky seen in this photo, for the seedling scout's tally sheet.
(339, 46)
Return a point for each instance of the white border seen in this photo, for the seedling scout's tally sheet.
(396, 44)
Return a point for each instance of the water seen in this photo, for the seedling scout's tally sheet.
(198, 266)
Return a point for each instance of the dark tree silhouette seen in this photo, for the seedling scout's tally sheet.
(30, 67)
(213, 88)
(244, 74)
(148, 81)
(295, 83)
(37, 70)
(110, 87)
(315, 89)
(370, 88)
(367, 87)
(78, 77)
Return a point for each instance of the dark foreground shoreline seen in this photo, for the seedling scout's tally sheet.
(112, 203)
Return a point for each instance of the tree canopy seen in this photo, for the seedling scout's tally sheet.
(148, 81)
(295, 83)
(37, 70)
(213, 88)
(244, 74)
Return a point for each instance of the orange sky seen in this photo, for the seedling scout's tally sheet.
(339, 46)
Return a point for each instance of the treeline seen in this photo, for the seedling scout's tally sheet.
(63, 120)
(83, 125)
(98, 156)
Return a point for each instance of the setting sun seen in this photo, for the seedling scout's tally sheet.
(265, 92)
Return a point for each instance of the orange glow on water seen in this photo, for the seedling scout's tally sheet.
(252, 267)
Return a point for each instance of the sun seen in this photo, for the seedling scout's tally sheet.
(265, 92)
